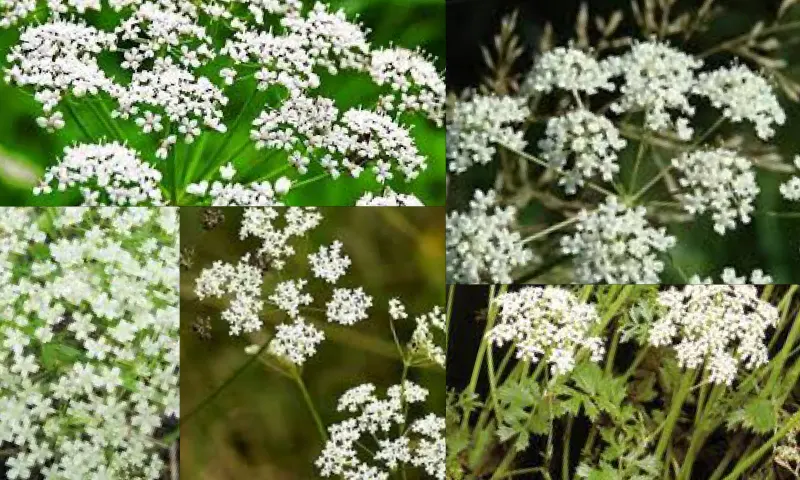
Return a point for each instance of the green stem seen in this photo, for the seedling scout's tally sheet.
(732, 450)
(310, 404)
(78, 120)
(674, 413)
(751, 459)
(451, 293)
(213, 162)
(639, 155)
(185, 419)
(566, 447)
(551, 229)
(310, 180)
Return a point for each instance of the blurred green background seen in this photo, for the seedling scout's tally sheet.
(259, 427)
(27, 150)
(768, 242)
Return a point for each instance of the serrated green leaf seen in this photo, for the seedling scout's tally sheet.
(523, 440)
(758, 416)
(588, 377)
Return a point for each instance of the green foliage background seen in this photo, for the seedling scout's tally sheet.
(259, 427)
(27, 150)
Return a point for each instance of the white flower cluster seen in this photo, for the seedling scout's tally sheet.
(657, 79)
(421, 443)
(14, 11)
(187, 101)
(572, 70)
(106, 173)
(729, 276)
(165, 44)
(243, 283)
(348, 306)
(415, 82)
(226, 193)
(719, 181)
(718, 327)
(616, 244)
(58, 59)
(295, 342)
(329, 263)
(265, 225)
(476, 124)
(89, 341)
(790, 190)
(389, 199)
(312, 128)
(581, 144)
(742, 95)
(549, 324)
(423, 342)
(480, 243)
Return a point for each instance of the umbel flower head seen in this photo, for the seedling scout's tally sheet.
(480, 243)
(719, 181)
(720, 328)
(106, 173)
(475, 125)
(616, 244)
(421, 443)
(89, 344)
(176, 78)
(548, 324)
(581, 145)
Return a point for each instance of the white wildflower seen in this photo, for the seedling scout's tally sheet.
(718, 327)
(329, 263)
(569, 69)
(348, 306)
(421, 445)
(546, 324)
(657, 79)
(105, 173)
(616, 244)
(481, 244)
(295, 342)
(582, 145)
(719, 181)
(742, 95)
(477, 124)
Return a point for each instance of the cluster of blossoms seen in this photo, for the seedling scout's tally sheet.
(423, 344)
(420, 444)
(249, 288)
(719, 327)
(549, 324)
(616, 244)
(400, 442)
(583, 144)
(107, 173)
(480, 243)
(390, 198)
(475, 125)
(719, 181)
(164, 45)
(729, 277)
(90, 343)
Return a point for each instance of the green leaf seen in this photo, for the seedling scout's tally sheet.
(758, 415)
(56, 355)
(588, 377)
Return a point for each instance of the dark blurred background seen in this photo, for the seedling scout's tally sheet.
(259, 427)
(768, 242)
